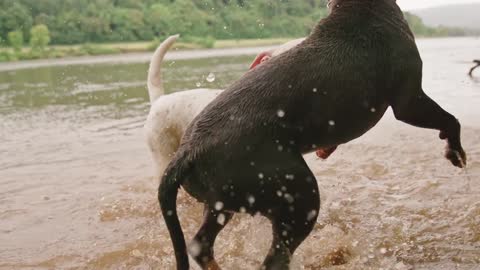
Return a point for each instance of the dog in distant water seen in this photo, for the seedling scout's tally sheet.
(243, 152)
(171, 114)
(477, 62)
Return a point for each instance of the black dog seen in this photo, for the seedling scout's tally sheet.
(477, 62)
(243, 153)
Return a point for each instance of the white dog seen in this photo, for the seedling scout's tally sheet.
(171, 114)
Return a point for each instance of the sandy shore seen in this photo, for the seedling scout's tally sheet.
(132, 58)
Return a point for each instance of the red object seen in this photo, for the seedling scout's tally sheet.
(262, 57)
(324, 153)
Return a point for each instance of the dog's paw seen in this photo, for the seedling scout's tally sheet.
(457, 157)
(324, 153)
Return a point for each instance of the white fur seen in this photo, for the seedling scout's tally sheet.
(171, 114)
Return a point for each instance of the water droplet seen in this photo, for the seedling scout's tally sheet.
(311, 215)
(221, 219)
(260, 175)
(218, 206)
(279, 193)
(194, 248)
(383, 250)
(211, 77)
(243, 209)
(169, 213)
(198, 84)
(289, 198)
(280, 113)
(373, 110)
(251, 199)
(331, 123)
(315, 90)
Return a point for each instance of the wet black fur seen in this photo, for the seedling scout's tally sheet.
(245, 149)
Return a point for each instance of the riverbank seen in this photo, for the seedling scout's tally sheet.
(132, 58)
(139, 53)
(68, 51)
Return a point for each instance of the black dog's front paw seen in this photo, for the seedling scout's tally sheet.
(457, 157)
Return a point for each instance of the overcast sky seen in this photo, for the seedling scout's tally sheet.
(416, 4)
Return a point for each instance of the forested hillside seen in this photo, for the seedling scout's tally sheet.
(80, 21)
(94, 21)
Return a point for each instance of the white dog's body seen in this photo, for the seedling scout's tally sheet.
(168, 119)
(171, 114)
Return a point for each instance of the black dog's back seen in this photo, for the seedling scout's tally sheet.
(296, 90)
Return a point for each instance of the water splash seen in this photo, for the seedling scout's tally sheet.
(210, 78)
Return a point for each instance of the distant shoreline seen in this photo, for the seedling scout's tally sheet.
(8, 55)
(230, 48)
(127, 58)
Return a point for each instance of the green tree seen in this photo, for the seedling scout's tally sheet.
(84, 21)
(160, 19)
(39, 37)
(15, 17)
(15, 39)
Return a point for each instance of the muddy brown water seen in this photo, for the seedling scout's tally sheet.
(77, 188)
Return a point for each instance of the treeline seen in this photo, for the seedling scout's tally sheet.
(82, 21)
(97, 21)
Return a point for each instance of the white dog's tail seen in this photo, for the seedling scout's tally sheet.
(155, 84)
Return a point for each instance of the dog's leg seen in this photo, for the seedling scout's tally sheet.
(421, 111)
(202, 244)
(294, 217)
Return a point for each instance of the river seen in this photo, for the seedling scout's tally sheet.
(77, 188)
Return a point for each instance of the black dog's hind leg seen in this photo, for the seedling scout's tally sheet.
(421, 111)
(201, 248)
(294, 217)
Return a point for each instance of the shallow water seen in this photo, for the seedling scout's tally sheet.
(77, 192)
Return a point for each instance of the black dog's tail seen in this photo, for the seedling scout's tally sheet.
(167, 196)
